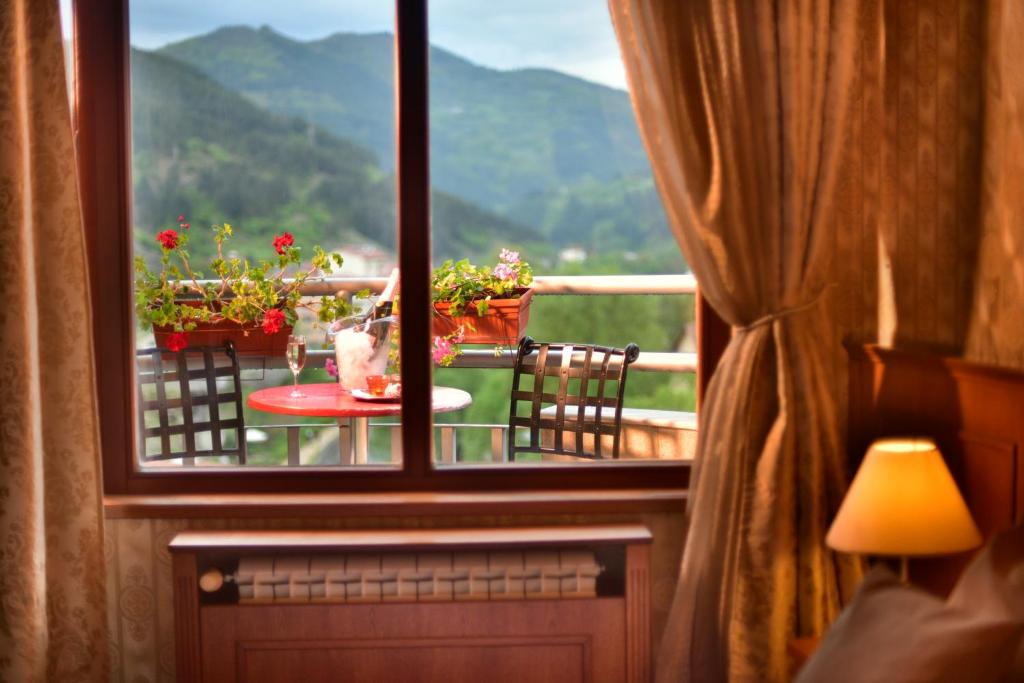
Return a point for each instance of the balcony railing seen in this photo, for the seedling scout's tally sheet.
(543, 285)
(650, 429)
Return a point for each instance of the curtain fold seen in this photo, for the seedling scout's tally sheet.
(741, 106)
(53, 617)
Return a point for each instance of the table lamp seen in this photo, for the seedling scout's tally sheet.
(903, 502)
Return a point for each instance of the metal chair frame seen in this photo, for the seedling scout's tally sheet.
(601, 364)
(160, 376)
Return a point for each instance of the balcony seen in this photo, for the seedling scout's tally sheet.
(648, 433)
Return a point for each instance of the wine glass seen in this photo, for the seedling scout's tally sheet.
(296, 359)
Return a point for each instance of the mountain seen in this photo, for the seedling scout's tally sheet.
(207, 152)
(623, 214)
(497, 136)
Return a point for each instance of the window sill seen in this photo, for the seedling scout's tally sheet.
(422, 504)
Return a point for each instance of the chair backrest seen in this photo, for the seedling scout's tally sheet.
(573, 389)
(186, 406)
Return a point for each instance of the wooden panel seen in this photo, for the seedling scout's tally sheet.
(186, 618)
(713, 335)
(989, 465)
(413, 504)
(638, 614)
(543, 641)
(973, 412)
(419, 659)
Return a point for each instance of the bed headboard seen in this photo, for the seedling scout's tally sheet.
(974, 412)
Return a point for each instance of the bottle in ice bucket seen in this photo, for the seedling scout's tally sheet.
(362, 343)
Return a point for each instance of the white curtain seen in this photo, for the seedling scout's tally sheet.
(741, 106)
(53, 617)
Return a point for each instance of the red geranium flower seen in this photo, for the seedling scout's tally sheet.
(168, 239)
(282, 241)
(177, 341)
(272, 321)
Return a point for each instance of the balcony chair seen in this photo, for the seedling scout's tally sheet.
(575, 390)
(189, 406)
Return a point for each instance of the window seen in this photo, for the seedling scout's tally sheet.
(280, 125)
(532, 125)
(173, 167)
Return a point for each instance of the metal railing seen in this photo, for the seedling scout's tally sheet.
(327, 453)
(543, 285)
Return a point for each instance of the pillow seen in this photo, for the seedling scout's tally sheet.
(896, 633)
(994, 582)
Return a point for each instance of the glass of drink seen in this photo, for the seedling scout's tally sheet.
(296, 359)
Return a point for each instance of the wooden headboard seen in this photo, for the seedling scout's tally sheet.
(974, 412)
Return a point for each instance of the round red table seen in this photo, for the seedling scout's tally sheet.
(328, 400)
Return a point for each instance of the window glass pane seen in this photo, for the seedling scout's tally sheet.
(267, 127)
(535, 149)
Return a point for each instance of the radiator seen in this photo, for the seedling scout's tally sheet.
(494, 575)
(558, 604)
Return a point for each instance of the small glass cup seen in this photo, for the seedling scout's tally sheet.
(377, 384)
(296, 355)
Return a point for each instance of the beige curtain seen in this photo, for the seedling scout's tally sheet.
(53, 617)
(741, 105)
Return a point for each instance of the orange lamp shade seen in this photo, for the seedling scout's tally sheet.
(903, 501)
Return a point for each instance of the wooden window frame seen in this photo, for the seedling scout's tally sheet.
(102, 123)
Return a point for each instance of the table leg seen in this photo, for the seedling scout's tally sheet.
(361, 432)
(345, 440)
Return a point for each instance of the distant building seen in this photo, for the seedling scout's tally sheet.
(572, 255)
(366, 260)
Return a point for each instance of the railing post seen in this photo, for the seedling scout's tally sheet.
(293, 446)
(498, 444)
(447, 445)
(396, 442)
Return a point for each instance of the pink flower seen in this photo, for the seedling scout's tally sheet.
(177, 341)
(460, 335)
(181, 218)
(331, 368)
(168, 239)
(503, 271)
(442, 348)
(510, 257)
(273, 320)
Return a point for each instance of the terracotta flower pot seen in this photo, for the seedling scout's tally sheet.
(504, 323)
(249, 339)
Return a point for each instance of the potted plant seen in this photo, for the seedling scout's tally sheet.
(481, 305)
(253, 305)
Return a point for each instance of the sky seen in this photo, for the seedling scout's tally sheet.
(573, 36)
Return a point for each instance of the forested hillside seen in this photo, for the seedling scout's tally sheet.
(206, 152)
(539, 147)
